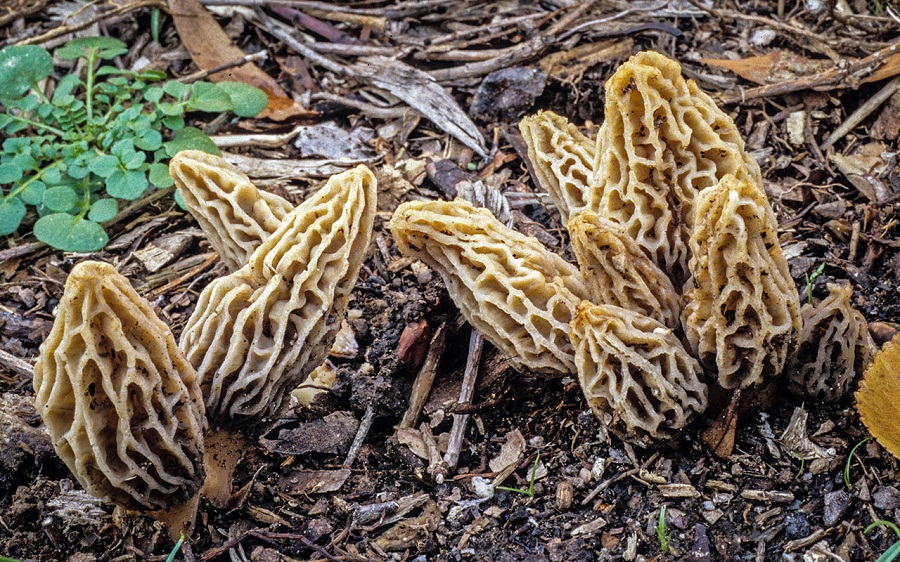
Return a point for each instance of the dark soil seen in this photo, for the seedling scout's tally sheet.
(595, 497)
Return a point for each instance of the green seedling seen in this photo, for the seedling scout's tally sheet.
(103, 136)
(662, 531)
(810, 281)
(850, 460)
(5, 559)
(893, 551)
(175, 550)
(530, 491)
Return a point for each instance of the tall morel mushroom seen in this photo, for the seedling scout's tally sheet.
(234, 214)
(635, 373)
(834, 347)
(121, 403)
(663, 140)
(618, 272)
(517, 293)
(742, 311)
(258, 332)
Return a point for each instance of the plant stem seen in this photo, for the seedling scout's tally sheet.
(89, 84)
(38, 125)
(26, 183)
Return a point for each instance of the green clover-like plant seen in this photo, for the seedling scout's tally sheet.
(104, 136)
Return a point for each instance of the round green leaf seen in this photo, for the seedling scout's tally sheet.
(206, 96)
(133, 160)
(21, 67)
(126, 185)
(52, 175)
(159, 176)
(60, 199)
(191, 138)
(103, 210)
(104, 165)
(105, 47)
(173, 122)
(70, 234)
(176, 89)
(148, 140)
(33, 194)
(247, 100)
(10, 173)
(11, 212)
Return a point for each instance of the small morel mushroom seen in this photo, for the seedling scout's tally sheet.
(834, 347)
(562, 159)
(121, 403)
(878, 397)
(509, 286)
(635, 373)
(258, 332)
(234, 214)
(663, 140)
(742, 311)
(618, 272)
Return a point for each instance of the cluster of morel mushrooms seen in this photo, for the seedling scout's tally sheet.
(681, 285)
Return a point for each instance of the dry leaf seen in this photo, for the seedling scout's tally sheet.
(511, 452)
(776, 66)
(210, 48)
(878, 397)
(570, 65)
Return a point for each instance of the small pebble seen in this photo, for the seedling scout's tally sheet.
(795, 525)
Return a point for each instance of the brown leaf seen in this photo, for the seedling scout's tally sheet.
(719, 436)
(776, 66)
(879, 395)
(210, 48)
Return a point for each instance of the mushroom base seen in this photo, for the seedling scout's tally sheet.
(178, 520)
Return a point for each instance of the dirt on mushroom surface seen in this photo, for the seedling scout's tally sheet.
(791, 76)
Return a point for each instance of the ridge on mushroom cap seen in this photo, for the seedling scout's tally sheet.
(742, 311)
(234, 214)
(256, 333)
(121, 403)
(509, 286)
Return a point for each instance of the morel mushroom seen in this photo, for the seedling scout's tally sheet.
(121, 403)
(517, 293)
(258, 332)
(234, 214)
(562, 159)
(741, 312)
(663, 140)
(834, 347)
(635, 373)
(879, 395)
(617, 271)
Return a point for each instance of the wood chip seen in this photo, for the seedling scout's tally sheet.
(768, 496)
(678, 491)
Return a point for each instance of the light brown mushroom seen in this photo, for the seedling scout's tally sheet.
(234, 214)
(562, 158)
(121, 403)
(742, 311)
(618, 272)
(509, 286)
(635, 374)
(663, 140)
(258, 332)
(834, 347)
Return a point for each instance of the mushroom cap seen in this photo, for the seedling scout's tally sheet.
(663, 140)
(121, 403)
(634, 373)
(234, 214)
(508, 285)
(618, 272)
(834, 347)
(742, 311)
(562, 158)
(256, 333)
